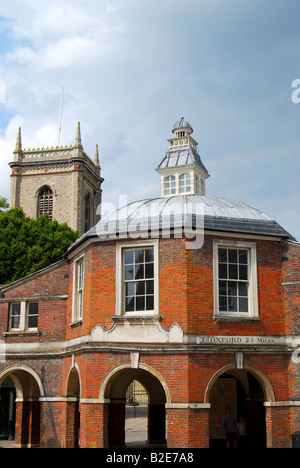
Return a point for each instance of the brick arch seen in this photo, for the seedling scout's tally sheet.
(73, 381)
(113, 393)
(26, 380)
(110, 382)
(29, 390)
(260, 376)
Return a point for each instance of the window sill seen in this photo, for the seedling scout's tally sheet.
(136, 318)
(22, 333)
(232, 318)
(75, 324)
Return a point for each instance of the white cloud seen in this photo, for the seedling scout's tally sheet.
(130, 69)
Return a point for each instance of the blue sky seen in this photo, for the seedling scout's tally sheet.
(132, 68)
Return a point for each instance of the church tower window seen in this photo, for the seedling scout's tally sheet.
(87, 216)
(45, 202)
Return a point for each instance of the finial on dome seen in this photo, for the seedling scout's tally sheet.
(182, 124)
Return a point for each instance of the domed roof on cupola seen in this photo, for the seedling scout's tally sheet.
(182, 124)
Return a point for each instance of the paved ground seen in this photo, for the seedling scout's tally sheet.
(6, 444)
(136, 434)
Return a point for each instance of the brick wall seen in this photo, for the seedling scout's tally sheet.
(50, 290)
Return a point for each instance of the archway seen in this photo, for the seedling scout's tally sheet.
(25, 389)
(244, 391)
(7, 410)
(73, 408)
(114, 391)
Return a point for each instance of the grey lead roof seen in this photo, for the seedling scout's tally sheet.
(181, 157)
(217, 214)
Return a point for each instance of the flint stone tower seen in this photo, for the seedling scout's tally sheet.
(62, 182)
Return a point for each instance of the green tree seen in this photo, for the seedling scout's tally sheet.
(3, 203)
(28, 245)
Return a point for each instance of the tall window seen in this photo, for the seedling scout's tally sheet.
(32, 315)
(138, 277)
(45, 202)
(78, 290)
(87, 212)
(185, 183)
(15, 316)
(235, 278)
(170, 185)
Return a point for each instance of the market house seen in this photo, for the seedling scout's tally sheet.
(199, 328)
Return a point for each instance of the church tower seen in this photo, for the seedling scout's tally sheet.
(62, 182)
(182, 171)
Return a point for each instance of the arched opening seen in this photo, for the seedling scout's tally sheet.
(45, 202)
(20, 391)
(87, 212)
(73, 409)
(136, 414)
(7, 410)
(244, 391)
(115, 392)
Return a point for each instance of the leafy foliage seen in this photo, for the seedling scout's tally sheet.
(3, 204)
(28, 245)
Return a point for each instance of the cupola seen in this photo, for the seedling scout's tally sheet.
(182, 171)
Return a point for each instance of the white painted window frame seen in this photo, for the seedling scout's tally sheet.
(253, 312)
(120, 306)
(23, 316)
(77, 310)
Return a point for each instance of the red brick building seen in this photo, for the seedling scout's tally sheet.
(195, 297)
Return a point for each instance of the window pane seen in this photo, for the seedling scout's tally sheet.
(243, 270)
(243, 304)
(130, 289)
(149, 302)
(129, 273)
(232, 288)
(223, 255)
(149, 270)
(32, 321)
(33, 308)
(140, 303)
(243, 289)
(232, 256)
(129, 306)
(15, 309)
(139, 256)
(129, 257)
(223, 288)
(223, 303)
(223, 270)
(139, 272)
(232, 304)
(140, 290)
(243, 257)
(233, 271)
(150, 287)
(149, 255)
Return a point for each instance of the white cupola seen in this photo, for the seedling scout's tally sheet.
(182, 171)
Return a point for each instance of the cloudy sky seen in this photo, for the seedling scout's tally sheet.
(131, 68)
